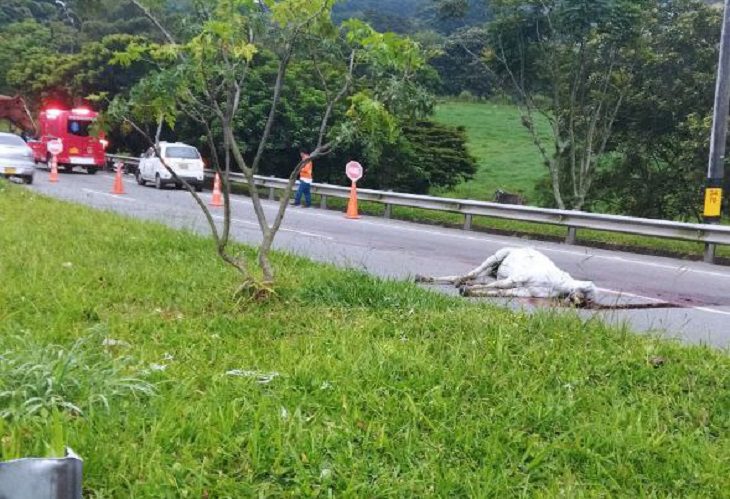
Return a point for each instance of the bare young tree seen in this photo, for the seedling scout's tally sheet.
(565, 65)
(205, 78)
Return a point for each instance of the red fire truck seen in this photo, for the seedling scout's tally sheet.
(73, 127)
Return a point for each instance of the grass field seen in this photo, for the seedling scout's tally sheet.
(506, 156)
(120, 339)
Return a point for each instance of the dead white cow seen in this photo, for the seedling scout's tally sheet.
(521, 273)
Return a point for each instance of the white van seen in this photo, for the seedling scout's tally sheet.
(183, 159)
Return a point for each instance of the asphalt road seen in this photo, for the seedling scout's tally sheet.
(395, 249)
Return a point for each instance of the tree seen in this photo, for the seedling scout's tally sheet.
(410, 16)
(30, 48)
(426, 155)
(570, 61)
(450, 16)
(206, 76)
(459, 67)
(400, 16)
(12, 11)
(662, 132)
(46, 74)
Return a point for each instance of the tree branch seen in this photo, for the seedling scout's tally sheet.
(148, 14)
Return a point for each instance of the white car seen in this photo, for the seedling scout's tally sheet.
(183, 159)
(16, 158)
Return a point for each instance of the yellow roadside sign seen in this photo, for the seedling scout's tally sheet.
(713, 202)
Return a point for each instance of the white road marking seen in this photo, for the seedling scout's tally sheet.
(655, 300)
(711, 310)
(536, 244)
(283, 229)
(115, 196)
(474, 238)
(398, 226)
(630, 295)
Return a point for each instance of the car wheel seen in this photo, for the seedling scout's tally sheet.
(198, 187)
(139, 178)
(158, 182)
(28, 179)
(91, 170)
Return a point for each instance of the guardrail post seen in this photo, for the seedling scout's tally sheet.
(572, 235)
(388, 211)
(709, 253)
(272, 194)
(467, 221)
(323, 202)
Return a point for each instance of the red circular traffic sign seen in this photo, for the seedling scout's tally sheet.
(55, 147)
(353, 170)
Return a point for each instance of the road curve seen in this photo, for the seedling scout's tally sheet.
(396, 249)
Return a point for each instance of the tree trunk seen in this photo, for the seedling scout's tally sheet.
(554, 166)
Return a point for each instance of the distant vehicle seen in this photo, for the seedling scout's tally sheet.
(73, 127)
(16, 158)
(183, 159)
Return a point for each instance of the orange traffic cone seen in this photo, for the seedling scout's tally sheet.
(118, 184)
(352, 204)
(53, 177)
(217, 200)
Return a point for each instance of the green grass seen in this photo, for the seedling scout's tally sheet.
(507, 158)
(383, 389)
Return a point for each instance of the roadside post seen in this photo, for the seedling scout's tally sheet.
(716, 168)
(353, 170)
(55, 147)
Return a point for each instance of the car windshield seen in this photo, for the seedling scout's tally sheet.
(79, 128)
(11, 140)
(182, 152)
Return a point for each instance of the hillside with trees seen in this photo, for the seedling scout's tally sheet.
(626, 87)
(645, 77)
(63, 54)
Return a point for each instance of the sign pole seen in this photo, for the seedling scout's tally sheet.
(353, 170)
(716, 168)
(54, 147)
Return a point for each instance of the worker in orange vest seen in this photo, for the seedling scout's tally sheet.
(305, 182)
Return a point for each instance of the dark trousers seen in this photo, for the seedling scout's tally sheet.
(306, 190)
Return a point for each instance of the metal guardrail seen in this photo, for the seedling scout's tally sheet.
(710, 235)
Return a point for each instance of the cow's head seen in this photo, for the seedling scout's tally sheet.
(583, 294)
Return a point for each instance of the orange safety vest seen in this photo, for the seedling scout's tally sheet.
(306, 172)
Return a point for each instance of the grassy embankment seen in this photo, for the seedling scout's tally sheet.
(508, 160)
(383, 389)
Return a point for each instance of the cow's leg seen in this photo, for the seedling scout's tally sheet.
(449, 279)
(500, 284)
(489, 266)
(497, 292)
(470, 289)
